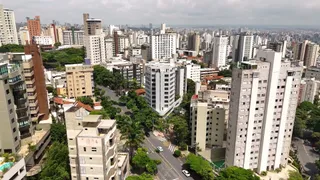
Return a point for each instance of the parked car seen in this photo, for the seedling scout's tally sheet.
(186, 173)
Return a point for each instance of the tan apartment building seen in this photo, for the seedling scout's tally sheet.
(208, 118)
(92, 144)
(79, 80)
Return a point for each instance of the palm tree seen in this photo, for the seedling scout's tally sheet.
(134, 135)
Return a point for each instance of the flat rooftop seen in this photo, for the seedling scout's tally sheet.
(106, 124)
(122, 159)
(92, 118)
(34, 140)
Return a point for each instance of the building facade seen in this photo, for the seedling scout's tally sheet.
(43, 40)
(264, 97)
(310, 88)
(219, 51)
(193, 72)
(8, 29)
(34, 26)
(163, 45)
(164, 82)
(208, 117)
(73, 37)
(92, 144)
(79, 80)
(242, 47)
(311, 54)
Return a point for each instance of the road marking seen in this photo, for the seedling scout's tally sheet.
(171, 147)
(165, 160)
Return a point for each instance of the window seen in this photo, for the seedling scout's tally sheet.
(94, 149)
(7, 91)
(84, 149)
(9, 101)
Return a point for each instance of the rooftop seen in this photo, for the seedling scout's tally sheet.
(34, 140)
(122, 159)
(107, 124)
(92, 118)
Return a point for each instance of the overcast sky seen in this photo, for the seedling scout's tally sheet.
(176, 12)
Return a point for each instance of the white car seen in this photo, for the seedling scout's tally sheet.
(160, 148)
(186, 173)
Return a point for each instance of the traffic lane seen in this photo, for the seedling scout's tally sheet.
(168, 155)
(307, 157)
(165, 172)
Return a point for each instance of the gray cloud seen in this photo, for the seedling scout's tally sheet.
(204, 12)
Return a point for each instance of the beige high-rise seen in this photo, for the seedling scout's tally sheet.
(79, 80)
(264, 97)
(208, 118)
(92, 144)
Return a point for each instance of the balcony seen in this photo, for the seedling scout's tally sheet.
(35, 111)
(20, 101)
(15, 80)
(31, 89)
(30, 81)
(34, 104)
(34, 96)
(23, 119)
(28, 74)
(24, 128)
(22, 110)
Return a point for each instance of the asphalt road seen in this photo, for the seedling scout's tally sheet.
(174, 165)
(307, 157)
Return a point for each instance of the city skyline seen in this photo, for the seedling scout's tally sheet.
(177, 12)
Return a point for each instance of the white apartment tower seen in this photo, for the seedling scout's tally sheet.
(264, 97)
(92, 144)
(245, 47)
(193, 72)
(163, 81)
(219, 51)
(163, 45)
(8, 30)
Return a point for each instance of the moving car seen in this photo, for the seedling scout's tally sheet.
(160, 148)
(186, 173)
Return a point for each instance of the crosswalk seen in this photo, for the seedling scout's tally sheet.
(171, 147)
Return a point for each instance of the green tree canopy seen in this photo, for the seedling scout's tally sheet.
(11, 48)
(225, 73)
(58, 133)
(57, 163)
(57, 44)
(86, 100)
(200, 166)
(58, 58)
(236, 173)
(142, 161)
(180, 128)
(143, 176)
(294, 175)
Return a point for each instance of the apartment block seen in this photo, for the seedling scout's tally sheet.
(14, 170)
(313, 72)
(242, 47)
(79, 80)
(92, 144)
(264, 97)
(193, 72)
(310, 88)
(35, 77)
(209, 112)
(73, 37)
(34, 26)
(163, 45)
(219, 51)
(164, 82)
(8, 29)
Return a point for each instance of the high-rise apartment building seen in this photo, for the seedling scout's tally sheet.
(194, 42)
(310, 88)
(92, 144)
(278, 47)
(94, 40)
(24, 35)
(311, 54)
(109, 48)
(264, 97)
(208, 117)
(164, 81)
(219, 51)
(79, 80)
(36, 78)
(243, 46)
(8, 30)
(73, 37)
(34, 26)
(193, 72)
(163, 45)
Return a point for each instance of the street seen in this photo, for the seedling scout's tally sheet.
(170, 168)
(307, 157)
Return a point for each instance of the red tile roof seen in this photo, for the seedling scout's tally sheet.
(61, 101)
(140, 91)
(85, 106)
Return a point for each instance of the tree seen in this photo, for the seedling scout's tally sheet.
(11, 48)
(58, 133)
(316, 100)
(59, 58)
(133, 133)
(57, 163)
(180, 128)
(294, 175)
(86, 100)
(143, 176)
(57, 44)
(200, 166)
(225, 73)
(142, 162)
(236, 173)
